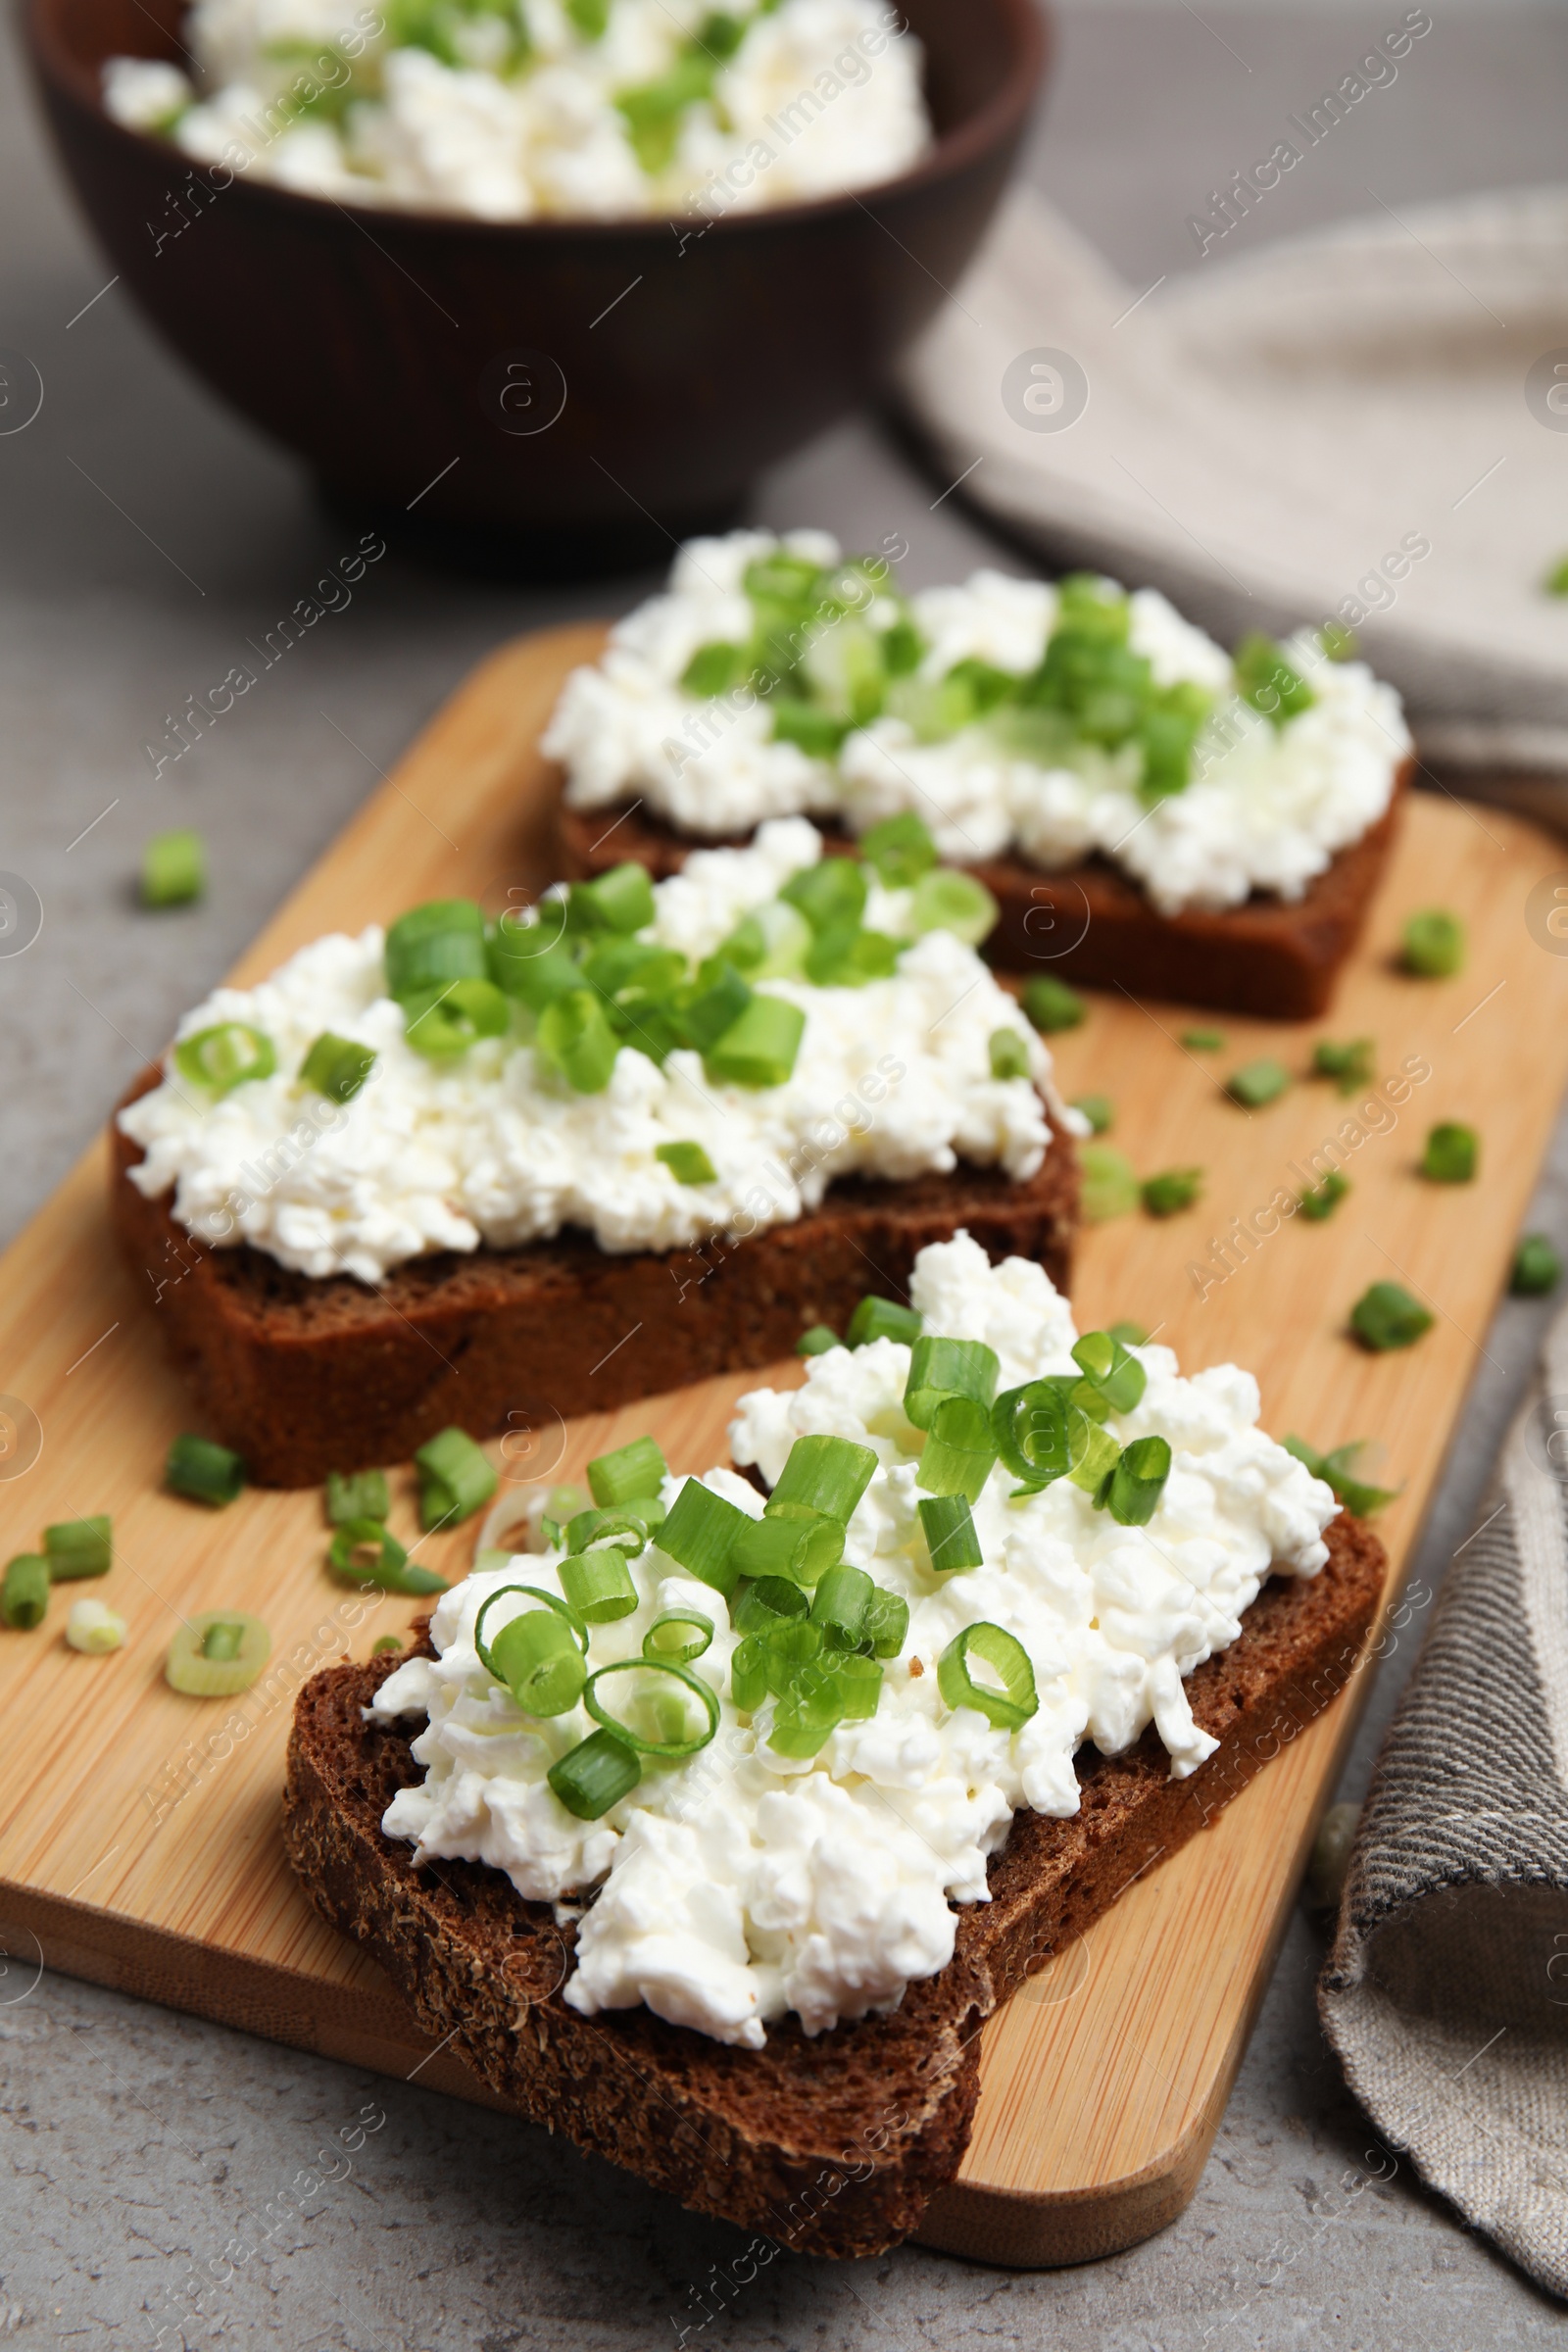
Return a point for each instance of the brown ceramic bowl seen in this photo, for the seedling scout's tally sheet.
(389, 348)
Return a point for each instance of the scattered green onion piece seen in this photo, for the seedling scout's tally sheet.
(216, 1654)
(1016, 1700)
(337, 1066)
(748, 1674)
(673, 1741)
(700, 1535)
(759, 1047)
(815, 732)
(1348, 1066)
(717, 1007)
(94, 1629)
(77, 1548)
(363, 1494)
(1138, 1481)
(594, 1775)
(174, 869)
(537, 1658)
(1030, 1426)
(25, 1591)
(227, 1055)
(626, 1529)
(384, 1643)
(574, 1037)
(528, 960)
(1167, 1194)
(949, 901)
(677, 1636)
(620, 901)
(826, 1474)
(1452, 1155)
(687, 1162)
(365, 1552)
(830, 895)
(1433, 943)
(1009, 1054)
(900, 848)
(444, 1021)
(1537, 1268)
(791, 1651)
(1109, 1189)
(599, 1585)
(562, 1611)
(630, 1471)
(1335, 1470)
(859, 1682)
(203, 1471)
(803, 1723)
(850, 959)
(1106, 1364)
(767, 1601)
(796, 1547)
(949, 1533)
(1051, 1006)
(1099, 1110)
(1095, 1457)
(1256, 1083)
(455, 1479)
(960, 1450)
(1320, 1200)
(1386, 1317)
(1266, 681)
(712, 670)
(941, 1368)
(839, 1605)
(886, 1624)
(882, 1319)
(1131, 1335)
(1203, 1041)
(431, 945)
(818, 1340)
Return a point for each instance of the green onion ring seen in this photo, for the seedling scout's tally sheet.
(620, 1730)
(534, 1593)
(1006, 1710)
(681, 1653)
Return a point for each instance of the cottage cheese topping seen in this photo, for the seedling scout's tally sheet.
(515, 110)
(739, 1884)
(1266, 810)
(891, 1079)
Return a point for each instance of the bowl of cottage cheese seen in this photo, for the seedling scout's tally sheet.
(553, 278)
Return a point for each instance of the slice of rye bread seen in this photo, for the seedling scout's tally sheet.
(833, 2145)
(1271, 958)
(301, 1376)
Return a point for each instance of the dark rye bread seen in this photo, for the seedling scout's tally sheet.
(833, 2145)
(303, 1376)
(1276, 959)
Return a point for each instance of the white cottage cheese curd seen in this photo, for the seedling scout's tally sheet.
(891, 1079)
(515, 110)
(1265, 810)
(740, 1884)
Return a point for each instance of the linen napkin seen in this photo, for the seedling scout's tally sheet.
(1369, 424)
(1445, 1992)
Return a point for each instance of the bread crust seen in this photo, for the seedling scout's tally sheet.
(833, 2146)
(1273, 959)
(301, 1376)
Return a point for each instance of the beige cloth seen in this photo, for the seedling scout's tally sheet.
(1266, 435)
(1447, 1990)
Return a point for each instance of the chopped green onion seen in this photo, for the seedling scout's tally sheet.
(798, 1549)
(1266, 681)
(1006, 1708)
(886, 1623)
(826, 1474)
(771, 1601)
(95, 1629)
(528, 962)
(538, 1655)
(1451, 1153)
(454, 1478)
(1051, 1006)
(1203, 1041)
(717, 1008)
(700, 1535)
(361, 1495)
(677, 1636)
(882, 1319)
(1537, 1268)
(805, 1719)
(949, 1534)
(599, 1585)
(1109, 1189)
(687, 1162)
(626, 1529)
(859, 1682)
(216, 1654)
(620, 901)
(1348, 1066)
(441, 1022)
(847, 959)
(386, 1644)
(818, 733)
(830, 895)
(1009, 1054)
(174, 869)
(25, 1591)
(1131, 1335)
(559, 1610)
(1095, 1457)
(1137, 1482)
(365, 1552)
(1030, 1426)
(337, 1066)
(818, 1340)
(1256, 1083)
(630, 1471)
(839, 1605)
(748, 1674)
(594, 1775)
(1320, 1200)
(206, 1472)
(1166, 1195)
(900, 848)
(655, 1698)
(1433, 943)
(227, 1055)
(574, 1037)
(961, 1451)
(759, 1047)
(712, 670)
(1335, 1470)
(1119, 1378)
(949, 901)
(1099, 1110)
(79, 1547)
(1386, 1317)
(441, 940)
(941, 1368)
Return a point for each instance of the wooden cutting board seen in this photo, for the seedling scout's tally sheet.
(139, 1831)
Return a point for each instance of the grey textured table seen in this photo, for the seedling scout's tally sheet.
(153, 2165)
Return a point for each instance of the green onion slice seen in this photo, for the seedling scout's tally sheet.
(677, 1637)
(830, 895)
(789, 1651)
(1051, 1006)
(1452, 1155)
(886, 1625)
(818, 1339)
(949, 1533)
(79, 1547)
(560, 1609)
(1386, 1317)
(527, 962)
(1537, 1268)
(768, 1602)
(174, 869)
(700, 1534)
(441, 940)
(337, 1066)
(444, 1021)
(838, 1606)
(538, 1655)
(218, 1653)
(1095, 1457)
(594, 1775)
(205, 1472)
(748, 1674)
(798, 1549)
(824, 1473)
(574, 1038)
(1005, 1708)
(1433, 943)
(25, 1591)
(225, 1055)
(948, 901)
(599, 1585)
(960, 1450)
(687, 1162)
(1030, 1425)
(1009, 1054)
(620, 901)
(1118, 1378)
(363, 1494)
(759, 1049)
(362, 1552)
(900, 848)
(1137, 1481)
(454, 1478)
(626, 1530)
(631, 1471)
(941, 1368)
(882, 1319)
(660, 1718)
